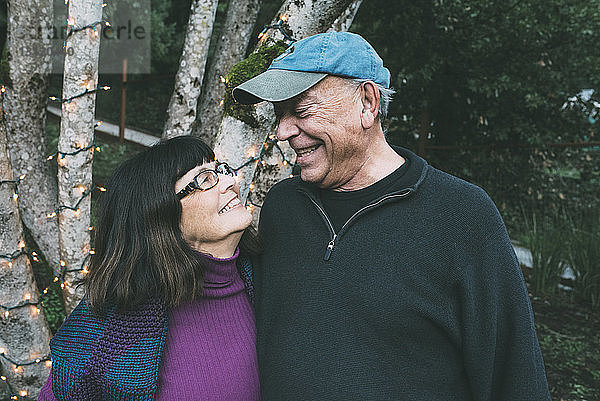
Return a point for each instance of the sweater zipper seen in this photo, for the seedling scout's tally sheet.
(331, 243)
(331, 229)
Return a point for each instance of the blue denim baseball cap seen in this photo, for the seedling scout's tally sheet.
(308, 61)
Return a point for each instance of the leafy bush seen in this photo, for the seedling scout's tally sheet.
(544, 239)
(584, 254)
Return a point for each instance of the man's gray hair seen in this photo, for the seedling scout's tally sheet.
(385, 95)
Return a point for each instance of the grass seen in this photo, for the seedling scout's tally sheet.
(569, 336)
(544, 239)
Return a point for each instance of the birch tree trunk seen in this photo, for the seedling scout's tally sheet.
(29, 25)
(344, 21)
(299, 19)
(76, 134)
(181, 113)
(24, 332)
(231, 48)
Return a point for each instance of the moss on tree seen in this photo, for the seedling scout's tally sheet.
(255, 64)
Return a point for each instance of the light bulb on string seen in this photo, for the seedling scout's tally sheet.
(251, 152)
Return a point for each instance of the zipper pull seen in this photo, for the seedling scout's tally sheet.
(330, 248)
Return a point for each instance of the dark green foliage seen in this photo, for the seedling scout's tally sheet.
(584, 254)
(168, 22)
(486, 82)
(544, 239)
(246, 69)
(4, 68)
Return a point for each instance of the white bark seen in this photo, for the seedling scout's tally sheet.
(77, 132)
(230, 49)
(308, 17)
(235, 138)
(29, 22)
(24, 332)
(181, 113)
(344, 21)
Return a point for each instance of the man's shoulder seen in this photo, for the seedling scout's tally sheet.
(443, 184)
(284, 189)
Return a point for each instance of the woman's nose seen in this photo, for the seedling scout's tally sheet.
(227, 182)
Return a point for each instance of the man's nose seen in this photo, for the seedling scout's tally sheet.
(287, 128)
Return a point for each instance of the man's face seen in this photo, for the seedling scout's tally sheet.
(323, 126)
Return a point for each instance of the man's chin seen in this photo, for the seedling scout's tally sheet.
(311, 176)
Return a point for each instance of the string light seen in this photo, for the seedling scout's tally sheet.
(75, 208)
(12, 256)
(278, 26)
(18, 369)
(16, 183)
(71, 29)
(86, 92)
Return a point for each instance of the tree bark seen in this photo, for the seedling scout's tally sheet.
(29, 22)
(344, 21)
(24, 332)
(236, 139)
(231, 48)
(181, 113)
(77, 134)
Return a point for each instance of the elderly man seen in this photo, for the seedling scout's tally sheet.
(383, 278)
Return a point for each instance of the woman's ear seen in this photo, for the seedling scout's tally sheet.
(370, 101)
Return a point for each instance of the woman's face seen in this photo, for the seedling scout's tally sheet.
(213, 221)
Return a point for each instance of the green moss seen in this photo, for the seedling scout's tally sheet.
(255, 64)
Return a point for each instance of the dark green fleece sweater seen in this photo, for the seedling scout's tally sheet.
(418, 297)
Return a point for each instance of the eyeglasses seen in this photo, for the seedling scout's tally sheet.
(206, 179)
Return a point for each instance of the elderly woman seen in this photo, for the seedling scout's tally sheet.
(167, 313)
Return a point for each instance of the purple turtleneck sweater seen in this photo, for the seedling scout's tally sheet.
(210, 353)
(211, 342)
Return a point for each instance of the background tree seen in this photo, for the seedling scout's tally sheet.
(231, 47)
(26, 81)
(181, 113)
(24, 333)
(482, 84)
(76, 143)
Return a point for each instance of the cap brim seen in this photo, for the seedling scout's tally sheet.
(275, 86)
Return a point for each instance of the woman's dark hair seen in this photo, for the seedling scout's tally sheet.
(140, 252)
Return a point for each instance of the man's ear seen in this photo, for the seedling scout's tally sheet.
(370, 99)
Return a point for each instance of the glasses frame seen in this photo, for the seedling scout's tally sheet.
(220, 168)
